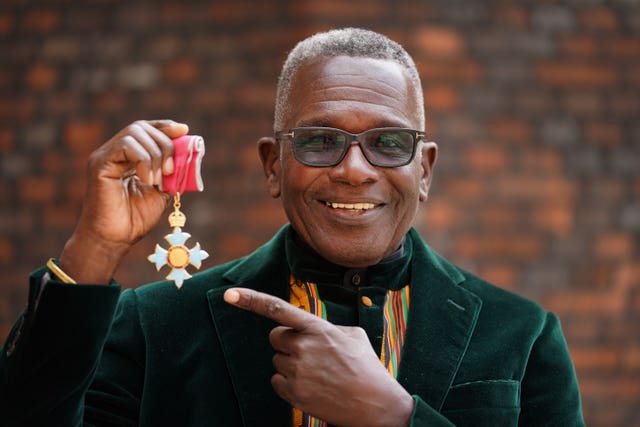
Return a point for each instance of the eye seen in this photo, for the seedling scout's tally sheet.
(317, 141)
(391, 142)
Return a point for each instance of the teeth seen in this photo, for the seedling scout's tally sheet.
(351, 206)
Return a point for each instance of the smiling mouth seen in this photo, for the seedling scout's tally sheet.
(351, 206)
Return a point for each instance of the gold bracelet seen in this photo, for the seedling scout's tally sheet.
(64, 277)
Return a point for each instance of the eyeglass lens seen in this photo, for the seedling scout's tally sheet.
(326, 147)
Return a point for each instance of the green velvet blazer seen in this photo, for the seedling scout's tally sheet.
(474, 354)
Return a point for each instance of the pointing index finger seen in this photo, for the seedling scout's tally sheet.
(271, 307)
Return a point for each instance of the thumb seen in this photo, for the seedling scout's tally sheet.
(170, 128)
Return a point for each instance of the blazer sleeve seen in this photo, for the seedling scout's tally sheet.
(115, 394)
(549, 389)
(424, 415)
(51, 354)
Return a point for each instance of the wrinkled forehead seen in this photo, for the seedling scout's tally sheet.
(342, 87)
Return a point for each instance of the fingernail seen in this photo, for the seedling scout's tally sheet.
(150, 178)
(231, 296)
(158, 177)
(167, 168)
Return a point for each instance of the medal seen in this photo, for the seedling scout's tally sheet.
(186, 177)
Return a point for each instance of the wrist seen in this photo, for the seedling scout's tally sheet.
(402, 411)
(87, 260)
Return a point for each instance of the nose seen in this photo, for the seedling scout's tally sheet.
(354, 169)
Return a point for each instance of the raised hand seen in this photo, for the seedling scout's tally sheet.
(121, 204)
(328, 371)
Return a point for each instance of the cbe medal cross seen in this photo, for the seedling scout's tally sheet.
(178, 257)
(188, 153)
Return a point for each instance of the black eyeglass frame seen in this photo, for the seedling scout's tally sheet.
(352, 139)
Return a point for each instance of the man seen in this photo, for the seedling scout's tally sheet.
(350, 162)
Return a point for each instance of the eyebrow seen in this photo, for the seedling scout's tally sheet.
(326, 121)
(321, 121)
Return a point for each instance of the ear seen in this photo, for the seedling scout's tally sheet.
(269, 151)
(429, 157)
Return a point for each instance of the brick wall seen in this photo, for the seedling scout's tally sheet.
(534, 104)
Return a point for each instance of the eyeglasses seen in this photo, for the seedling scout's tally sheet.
(324, 147)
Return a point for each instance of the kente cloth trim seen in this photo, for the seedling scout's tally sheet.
(305, 295)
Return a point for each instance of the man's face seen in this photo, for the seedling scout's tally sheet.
(325, 204)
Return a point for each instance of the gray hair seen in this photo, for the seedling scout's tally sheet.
(353, 42)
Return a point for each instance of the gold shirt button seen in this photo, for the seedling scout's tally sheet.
(366, 301)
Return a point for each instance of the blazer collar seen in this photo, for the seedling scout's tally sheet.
(442, 319)
(244, 336)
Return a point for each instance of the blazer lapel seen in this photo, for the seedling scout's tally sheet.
(442, 319)
(244, 336)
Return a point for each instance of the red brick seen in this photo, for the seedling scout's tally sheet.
(256, 96)
(269, 214)
(41, 77)
(54, 161)
(579, 45)
(236, 244)
(620, 388)
(515, 247)
(625, 104)
(412, 11)
(83, 136)
(440, 42)
(468, 189)
(209, 99)
(486, 160)
(441, 98)
(633, 76)
(226, 12)
(63, 103)
(584, 103)
(599, 19)
(162, 99)
(599, 275)
(110, 101)
(6, 251)
(174, 13)
(512, 15)
(558, 219)
(7, 78)
(575, 74)
(541, 160)
(501, 274)
(581, 330)
(6, 23)
(510, 129)
(41, 20)
(450, 71)
(7, 139)
(628, 275)
(614, 246)
(624, 47)
(248, 158)
(441, 214)
(37, 189)
(336, 9)
(75, 189)
(539, 189)
(182, 71)
(61, 217)
(5, 327)
(631, 358)
(259, 41)
(501, 217)
(604, 133)
(589, 304)
(597, 359)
